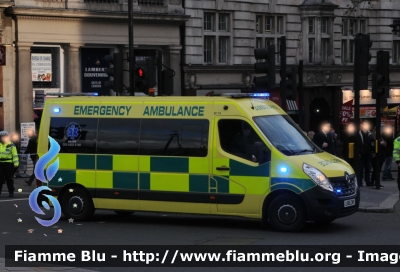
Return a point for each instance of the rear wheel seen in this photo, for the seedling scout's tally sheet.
(287, 213)
(77, 204)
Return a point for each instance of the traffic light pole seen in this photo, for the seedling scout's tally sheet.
(282, 51)
(356, 89)
(131, 57)
(301, 97)
(377, 144)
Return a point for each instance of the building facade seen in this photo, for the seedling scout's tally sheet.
(221, 36)
(59, 46)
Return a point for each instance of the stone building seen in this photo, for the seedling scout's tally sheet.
(59, 45)
(221, 36)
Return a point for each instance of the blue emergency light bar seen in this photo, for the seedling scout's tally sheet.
(72, 94)
(244, 95)
(56, 110)
(259, 95)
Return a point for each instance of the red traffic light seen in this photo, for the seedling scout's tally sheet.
(140, 72)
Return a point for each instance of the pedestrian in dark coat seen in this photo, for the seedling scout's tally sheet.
(323, 139)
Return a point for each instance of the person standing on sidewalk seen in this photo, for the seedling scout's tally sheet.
(396, 157)
(323, 139)
(365, 155)
(8, 162)
(387, 136)
(349, 138)
(32, 150)
(374, 157)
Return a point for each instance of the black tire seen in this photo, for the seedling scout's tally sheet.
(287, 213)
(124, 213)
(84, 208)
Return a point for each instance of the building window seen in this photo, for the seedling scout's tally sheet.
(396, 52)
(397, 33)
(259, 43)
(269, 29)
(223, 49)
(279, 25)
(350, 28)
(216, 38)
(344, 51)
(351, 51)
(208, 49)
(324, 26)
(268, 24)
(353, 27)
(311, 47)
(311, 26)
(324, 50)
(223, 22)
(269, 41)
(209, 21)
(344, 27)
(259, 24)
(363, 26)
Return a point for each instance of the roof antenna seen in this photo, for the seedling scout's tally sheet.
(252, 107)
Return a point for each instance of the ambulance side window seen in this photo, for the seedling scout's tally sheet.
(238, 138)
(118, 136)
(174, 137)
(74, 135)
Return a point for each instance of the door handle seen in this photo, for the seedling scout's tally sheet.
(223, 168)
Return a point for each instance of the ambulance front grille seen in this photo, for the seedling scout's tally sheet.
(342, 188)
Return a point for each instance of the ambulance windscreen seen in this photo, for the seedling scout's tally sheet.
(283, 133)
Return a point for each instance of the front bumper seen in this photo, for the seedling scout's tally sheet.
(323, 205)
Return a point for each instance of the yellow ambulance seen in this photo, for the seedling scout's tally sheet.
(233, 155)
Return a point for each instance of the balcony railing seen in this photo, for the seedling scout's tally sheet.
(155, 3)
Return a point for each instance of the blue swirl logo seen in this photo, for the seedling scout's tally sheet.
(45, 175)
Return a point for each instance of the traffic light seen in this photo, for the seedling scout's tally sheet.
(267, 67)
(365, 57)
(380, 79)
(116, 72)
(291, 83)
(288, 82)
(141, 75)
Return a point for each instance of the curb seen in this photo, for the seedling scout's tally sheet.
(386, 206)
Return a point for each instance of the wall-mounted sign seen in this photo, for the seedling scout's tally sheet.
(93, 70)
(366, 112)
(365, 97)
(2, 55)
(41, 67)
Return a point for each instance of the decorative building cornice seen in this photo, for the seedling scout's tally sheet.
(84, 15)
(324, 77)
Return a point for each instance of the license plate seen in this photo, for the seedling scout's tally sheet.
(349, 202)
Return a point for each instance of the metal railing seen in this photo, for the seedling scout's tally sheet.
(155, 3)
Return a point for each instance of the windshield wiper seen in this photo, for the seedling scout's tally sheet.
(305, 150)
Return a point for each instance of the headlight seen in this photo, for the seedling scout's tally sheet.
(318, 177)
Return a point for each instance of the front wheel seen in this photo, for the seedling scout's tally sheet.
(287, 213)
(77, 204)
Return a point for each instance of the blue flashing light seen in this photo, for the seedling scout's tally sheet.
(95, 94)
(56, 110)
(283, 169)
(339, 191)
(260, 95)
